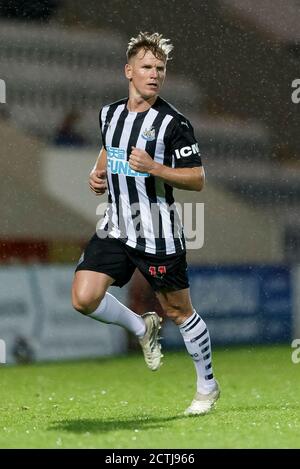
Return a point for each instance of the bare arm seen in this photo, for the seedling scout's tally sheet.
(191, 179)
(101, 161)
(97, 179)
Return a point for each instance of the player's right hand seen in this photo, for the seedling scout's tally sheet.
(97, 181)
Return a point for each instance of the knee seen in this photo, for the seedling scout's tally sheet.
(177, 314)
(174, 312)
(85, 303)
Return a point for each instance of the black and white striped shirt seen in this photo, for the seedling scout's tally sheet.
(141, 210)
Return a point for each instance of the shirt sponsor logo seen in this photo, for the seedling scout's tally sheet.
(187, 151)
(118, 164)
(149, 135)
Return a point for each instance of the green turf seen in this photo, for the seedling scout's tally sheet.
(118, 403)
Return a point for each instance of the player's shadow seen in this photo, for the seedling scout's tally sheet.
(106, 425)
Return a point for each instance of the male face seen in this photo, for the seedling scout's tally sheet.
(146, 74)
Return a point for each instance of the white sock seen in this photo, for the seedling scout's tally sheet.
(112, 311)
(197, 341)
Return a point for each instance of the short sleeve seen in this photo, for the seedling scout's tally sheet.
(101, 124)
(183, 145)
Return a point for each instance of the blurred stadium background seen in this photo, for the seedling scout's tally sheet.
(234, 63)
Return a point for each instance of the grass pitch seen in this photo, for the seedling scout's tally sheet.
(119, 403)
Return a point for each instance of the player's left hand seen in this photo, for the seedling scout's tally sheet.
(141, 161)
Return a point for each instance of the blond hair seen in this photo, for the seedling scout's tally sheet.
(159, 46)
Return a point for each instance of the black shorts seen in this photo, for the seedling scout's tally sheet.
(114, 258)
